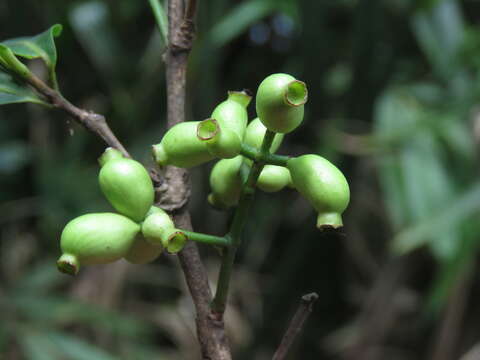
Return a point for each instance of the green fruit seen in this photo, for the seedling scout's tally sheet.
(126, 184)
(142, 252)
(221, 142)
(255, 133)
(226, 183)
(273, 178)
(95, 239)
(280, 101)
(323, 185)
(181, 147)
(160, 230)
(232, 113)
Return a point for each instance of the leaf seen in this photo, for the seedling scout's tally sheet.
(77, 349)
(38, 46)
(440, 32)
(90, 22)
(449, 217)
(12, 91)
(239, 19)
(36, 346)
(415, 178)
(58, 310)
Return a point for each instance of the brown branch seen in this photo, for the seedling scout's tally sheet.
(210, 330)
(296, 325)
(95, 123)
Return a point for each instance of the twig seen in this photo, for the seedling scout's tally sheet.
(236, 228)
(210, 330)
(95, 123)
(296, 325)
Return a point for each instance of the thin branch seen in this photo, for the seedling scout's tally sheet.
(296, 325)
(210, 330)
(93, 122)
(236, 228)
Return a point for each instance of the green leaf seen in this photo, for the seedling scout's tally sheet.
(39, 46)
(77, 349)
(440, 33)
(440, 221)
(239, 19)
(12, 91)
(36, 346)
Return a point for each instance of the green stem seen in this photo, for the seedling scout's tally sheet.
(206, 239)
(254, 154)
(238, 223)
(161, 18)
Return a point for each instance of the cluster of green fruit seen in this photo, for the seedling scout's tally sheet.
(139, 233)
(226, 135)
(143, 231)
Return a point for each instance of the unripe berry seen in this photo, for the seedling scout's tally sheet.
(226, 183)
(95, 239)
(323, 185)
(273, 178)
(126, 184)
(221, 142)
(159, 229)
(232, 113)
(280, 101)
(142, 251)
(255, 134)
(181, 147)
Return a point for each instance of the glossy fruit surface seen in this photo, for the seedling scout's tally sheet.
(159, 229)
(255, 133)
(221, 142)
(323, 185)
(225, 182)
(126, 184)
(142, 251)
(273, 178)
(280, 102)
(98, 238)
(232, 113)
(181, 147)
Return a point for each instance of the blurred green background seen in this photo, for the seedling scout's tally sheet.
(393, 101)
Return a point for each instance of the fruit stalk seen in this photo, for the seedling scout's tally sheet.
(238, 223)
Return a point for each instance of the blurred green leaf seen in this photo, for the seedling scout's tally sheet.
(37, 346)
(12, 91)
(439, 29)
(40, 278)
(239, 19)
(76, 349)
(449, 217)
(415, 179)
(59, 310)
(13, 156)
(90, 22)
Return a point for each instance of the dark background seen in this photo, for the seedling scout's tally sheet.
(393, 101)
